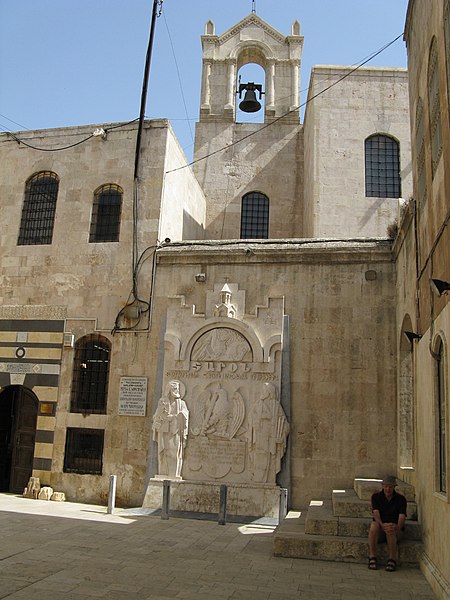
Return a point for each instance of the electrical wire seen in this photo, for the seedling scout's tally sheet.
(296, 108)
(15, 122)
(179, 77)
(20, 141)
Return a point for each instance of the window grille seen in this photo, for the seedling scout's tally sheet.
(434, 103)
(84, 451)
(441, 422)
(90, 375)
(255, 216)
(382, 167)
(38, 213)
(106, 212)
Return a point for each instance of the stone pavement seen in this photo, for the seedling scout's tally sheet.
(77, 552)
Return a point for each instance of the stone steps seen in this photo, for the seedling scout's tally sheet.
(337, 529)
(320, 520)
(346, 503)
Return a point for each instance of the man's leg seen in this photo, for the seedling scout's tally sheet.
(374, 533)
(391, 539)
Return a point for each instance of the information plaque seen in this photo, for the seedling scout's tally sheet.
(133, 396)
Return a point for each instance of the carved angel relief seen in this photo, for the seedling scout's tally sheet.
(218, 413)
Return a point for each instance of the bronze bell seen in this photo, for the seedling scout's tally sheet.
(250, 104)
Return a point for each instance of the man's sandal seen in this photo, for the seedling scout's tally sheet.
(372, 563)
(391, 565)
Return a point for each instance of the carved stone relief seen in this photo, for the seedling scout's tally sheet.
(228, 367)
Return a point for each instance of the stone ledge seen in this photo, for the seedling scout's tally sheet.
(364, 488)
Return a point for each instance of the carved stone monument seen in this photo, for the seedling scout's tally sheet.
(220, 420)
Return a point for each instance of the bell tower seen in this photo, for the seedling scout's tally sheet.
(250, 41)
(238, 161)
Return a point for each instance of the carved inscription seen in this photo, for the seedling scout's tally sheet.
(216, 458)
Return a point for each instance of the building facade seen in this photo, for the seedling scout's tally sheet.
(422, 252)
(263, 282)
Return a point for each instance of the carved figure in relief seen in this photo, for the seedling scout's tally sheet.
(268, 433)
(218, 413)
(222, 344)
(170, 430)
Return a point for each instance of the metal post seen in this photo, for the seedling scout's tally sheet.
(223, 505)
(112, 494)
(283, 504)
(166, 499)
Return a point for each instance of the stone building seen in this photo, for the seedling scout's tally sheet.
(262, 281)
(422, 255)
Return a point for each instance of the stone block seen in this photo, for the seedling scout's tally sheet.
(32, 489)
(58, 497)
(45, 493)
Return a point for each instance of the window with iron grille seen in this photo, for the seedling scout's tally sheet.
(106, 211)
(434, 104)
(255, 216)
(382, 167)
(90, 375)
(441, 417)
(38, 212)
(84, 451)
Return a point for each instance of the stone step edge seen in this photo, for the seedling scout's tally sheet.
(360, 544)
(364, 488)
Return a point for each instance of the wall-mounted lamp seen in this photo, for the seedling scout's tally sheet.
(411, 336)
(439, 287)
(200, 277)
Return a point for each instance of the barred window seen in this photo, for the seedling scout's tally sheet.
(106, 211)
(441, 419)
(382, 167)
(90, 375)
(434, 103)
(39, 206)
(255, 216)
(84, 451)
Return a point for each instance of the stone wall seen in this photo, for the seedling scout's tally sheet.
(367, 101)
(339, 298)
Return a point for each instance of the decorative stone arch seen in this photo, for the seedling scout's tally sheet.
(224, 323)
(406, 405)
(251, 40)
(439, 351)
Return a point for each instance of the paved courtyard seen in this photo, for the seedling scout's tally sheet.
(78, 552)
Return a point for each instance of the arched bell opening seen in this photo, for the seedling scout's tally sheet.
(250, 97)
(18, 418)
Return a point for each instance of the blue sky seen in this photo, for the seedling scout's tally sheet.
(74, 62)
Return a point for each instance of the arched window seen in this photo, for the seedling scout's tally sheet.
(434, 103)
(90, 375)
(441, 417)
(382, 155)
(255, 216)
(106, 211)
(447, 44)
(420, 156)
(39, 206)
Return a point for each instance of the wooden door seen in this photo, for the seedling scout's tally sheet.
(6, 428)
(23, 437)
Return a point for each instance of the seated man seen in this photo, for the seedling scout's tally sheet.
(389, 514)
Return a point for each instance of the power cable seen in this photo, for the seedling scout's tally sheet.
(179, 77)
(20, 141)
(372, 56)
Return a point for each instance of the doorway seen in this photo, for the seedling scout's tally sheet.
(18, 416)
